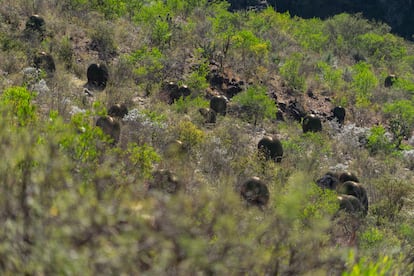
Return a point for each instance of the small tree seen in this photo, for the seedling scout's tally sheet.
(256, 104)
(253, 50)
(401, 119)
(18, 103)
(291, 72)
(363, 83)
(378, 142)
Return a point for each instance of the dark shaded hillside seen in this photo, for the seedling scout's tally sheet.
(396, 13)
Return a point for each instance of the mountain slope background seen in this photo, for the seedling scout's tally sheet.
(74, 201)
(394, 13)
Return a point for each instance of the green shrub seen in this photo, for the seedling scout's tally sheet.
(149, 13)
(142, 158)
(381, 47)
(377, 141)
(161, 34)
(253, 50)
(290, 70)
(8, 43)
(148, 65)
(363, 83)
(66, 52)
(365, 267)
(372, 237)
(189, 134)
(329, 76)
(18, 102)
(184, 105)
(81, 143)
(404, 84)
(224, 25)
(197, 79)
(102, 40)
(393, 194)
(256, 104)
(401, 118)
(344, 30)
(310, 34)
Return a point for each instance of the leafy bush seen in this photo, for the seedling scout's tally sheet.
(310, 34)
(380, 47)
(401, 116)
(197, 79)
(364, 81)
(290, 70)
(65, 52)
(256, 104)
(18, 102)
(224, 25)
(329, 76)
(161, 33)
(253, 50)
(393, 194)
(102, 40)
(189, 134)
(344, 30)
(142, 158)
(148, 65)
(365, 267)
(404, 84)
(184, 105)
(378, 142)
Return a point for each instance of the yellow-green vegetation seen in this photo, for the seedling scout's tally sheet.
(75, 202)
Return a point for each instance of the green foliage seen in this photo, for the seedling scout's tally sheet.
(103, 40)
(404, 84)
(364, 81)
(250, 45)
(81, 143)
(256, 104)
(290, 70)
(184, 7)
(393, 196)
(8, 43)
(378, 142)
(345, 29)
(151, 12)
(365, 267)
(262, 22)
(224, 25)
(18, 102)
(72, 204)
(380, 47)
(329, 76)
(304, 151)
(372, 237)
(142, 158)
(197, 79)
(310, 34)
(161, 33)
(189, 134)
(324, 203)
(184, 105)
(66, 52)
(148, 63)
(252, 51)
(401, 116)
(155, 116)
(110, 8)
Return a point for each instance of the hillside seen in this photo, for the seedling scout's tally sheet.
(130, 134)
(395, 13)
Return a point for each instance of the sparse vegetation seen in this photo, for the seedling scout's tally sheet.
(73, 200)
